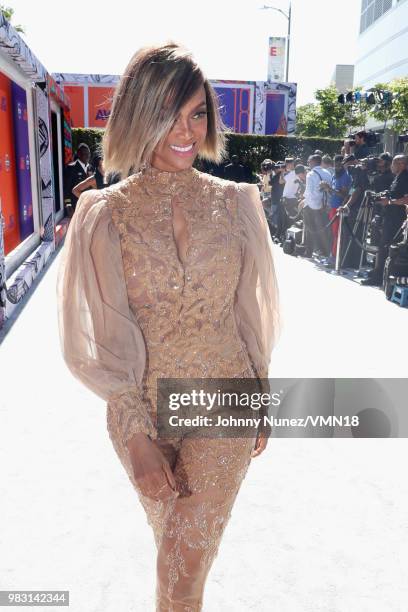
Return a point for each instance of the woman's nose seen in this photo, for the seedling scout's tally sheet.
(184, 128)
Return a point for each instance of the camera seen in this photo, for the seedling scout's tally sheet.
(267, 165)
(279, 166)
(371, 138)
(369, 166)
(374, 197)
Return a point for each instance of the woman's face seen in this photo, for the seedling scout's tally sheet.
(181, 146)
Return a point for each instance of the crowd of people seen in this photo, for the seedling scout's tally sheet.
(318, 192)
(312, 193)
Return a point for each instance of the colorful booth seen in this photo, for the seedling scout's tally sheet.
(34, 145)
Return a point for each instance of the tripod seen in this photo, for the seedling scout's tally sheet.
(363, 219)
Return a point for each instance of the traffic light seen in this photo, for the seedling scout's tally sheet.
(370, 98)
(387, 98)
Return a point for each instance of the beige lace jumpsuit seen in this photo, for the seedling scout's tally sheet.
(130, 311)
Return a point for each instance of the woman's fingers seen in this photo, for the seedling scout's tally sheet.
(169, 475)
(260, 446)
(156, 485)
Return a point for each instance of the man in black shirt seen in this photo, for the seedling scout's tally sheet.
(359, 147)
(235, 171)
(384, 178)
(74, 173)
(278, 212)
(360, 184)
(395, 213)
(248, 175)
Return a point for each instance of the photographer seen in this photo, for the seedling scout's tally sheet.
(289, 207)
(266, 174)
(278, 213)
(384, 177)
(359, 185)
(339, 190)
(314, 215)
(395, 213)
(358, 145)
(300, 172)
(287, 179)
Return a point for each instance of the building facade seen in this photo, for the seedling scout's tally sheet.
(343, 77)
(382, 43)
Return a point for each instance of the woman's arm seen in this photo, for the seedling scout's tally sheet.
(256, 306)
(88, 183)
(102, 343)
(257, 297)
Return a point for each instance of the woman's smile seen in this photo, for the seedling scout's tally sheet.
(185, 151)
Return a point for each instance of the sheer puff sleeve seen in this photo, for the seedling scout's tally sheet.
(100, 339)
(257, 298)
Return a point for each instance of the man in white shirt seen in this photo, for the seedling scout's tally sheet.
(290, 189)
(288, 179)
(314, 204)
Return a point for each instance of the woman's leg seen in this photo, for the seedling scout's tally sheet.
(187, 530)
(208, 473)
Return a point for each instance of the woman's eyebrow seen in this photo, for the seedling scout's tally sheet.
(203, 103)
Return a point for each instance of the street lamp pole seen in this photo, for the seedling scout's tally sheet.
(288, 44)
(289, 18)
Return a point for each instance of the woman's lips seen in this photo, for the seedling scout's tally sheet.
(185, 153)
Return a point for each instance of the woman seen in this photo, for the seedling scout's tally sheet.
(169, 274)
(95, 181)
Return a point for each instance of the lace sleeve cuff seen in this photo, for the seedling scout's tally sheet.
(131, 415)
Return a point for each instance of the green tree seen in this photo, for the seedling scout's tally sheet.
(397, 111)
(8, 13)
(327, 117)
(308, 120)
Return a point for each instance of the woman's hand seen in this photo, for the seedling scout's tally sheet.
(151, 469)
(260, 445)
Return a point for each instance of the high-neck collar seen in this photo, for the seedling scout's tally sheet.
(164, 182)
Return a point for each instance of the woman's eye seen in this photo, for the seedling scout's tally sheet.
(199, 114)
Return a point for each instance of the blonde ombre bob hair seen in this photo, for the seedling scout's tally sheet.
(156, 84)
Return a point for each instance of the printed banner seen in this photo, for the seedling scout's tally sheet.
(22, 153)
(8, 185)
(47, 189)
(275, 122)
(276, 58)
(246, 106)
(76, 94)
(275, 108)
(99, 105)
(235, 105)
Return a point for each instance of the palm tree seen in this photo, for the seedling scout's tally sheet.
(8, 12)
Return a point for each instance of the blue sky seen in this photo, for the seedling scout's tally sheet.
(229, 38)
